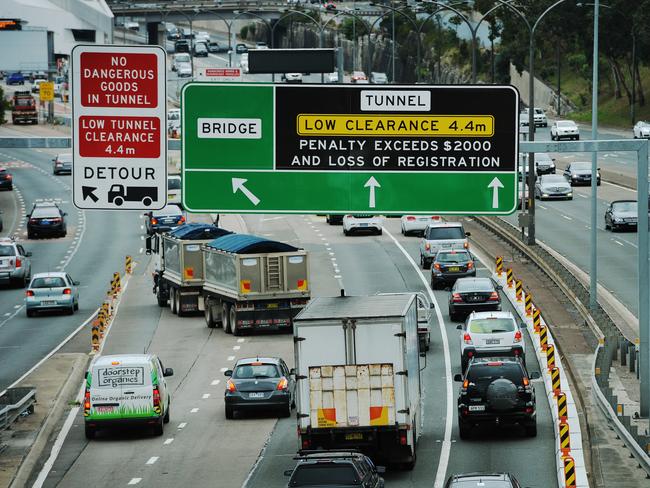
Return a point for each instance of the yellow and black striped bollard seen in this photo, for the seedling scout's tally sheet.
(510, 277)
(95, 336)
(537, 319)
(569, 472)
(128, 265)
(550, 357)
(118, 283)
(565, 438)
(562, 410)
(529, 304)
(519, 288)
(543, 337)
(555, 381)
(499, 266)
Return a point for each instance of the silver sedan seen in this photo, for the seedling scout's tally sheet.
(51, 291)
(553, 186)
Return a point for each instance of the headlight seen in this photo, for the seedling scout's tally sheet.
(545, 194)
(570, 194)
(552, 165)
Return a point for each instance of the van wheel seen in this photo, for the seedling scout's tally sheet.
(225, 311)
(285, 411)
(166, 417)
(230, 412)
(232, 319)
(159, 428)
(209, 319)
(90, 432)
(172, 300)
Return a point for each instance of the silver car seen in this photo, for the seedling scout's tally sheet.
(62, 164)
(553, 186)
(441, 236)
(51, 291)
(15, 265)
(642, 130)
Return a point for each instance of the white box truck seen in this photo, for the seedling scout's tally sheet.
(358, 375)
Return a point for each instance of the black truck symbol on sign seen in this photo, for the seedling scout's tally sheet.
(118, 194)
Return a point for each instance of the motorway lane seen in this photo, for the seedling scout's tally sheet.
(87, 253)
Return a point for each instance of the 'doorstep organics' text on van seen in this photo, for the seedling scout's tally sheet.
(126, 389)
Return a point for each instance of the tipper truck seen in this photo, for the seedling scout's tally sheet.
(358, 376)
(252, 283)
(179, 274)
(23, 108)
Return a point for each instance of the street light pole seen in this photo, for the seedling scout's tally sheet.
(593, 284)
(392, 56)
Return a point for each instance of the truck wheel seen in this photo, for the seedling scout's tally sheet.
(225, 316)
(177, 298)
(232, 319)
(162, 301)
(172, 300)
(209, 319)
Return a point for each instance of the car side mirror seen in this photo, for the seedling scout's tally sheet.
(28, 254)
(228, 373)
(288, 472)
(523, 325)
(65, 213)
(535, 375)
(292, 371)
(76, 283)
(380, 469)
(458, 377)
(498, 287)
(468, 234)
(147, 245)
(168, 372)
(459, 327)
(432, 306)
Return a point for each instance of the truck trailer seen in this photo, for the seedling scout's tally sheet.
(252, 283)
(178, 277)
(358, 376)
(23, 108)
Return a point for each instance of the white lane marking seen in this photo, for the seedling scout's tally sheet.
(542, 206)
(231, 358)
(269, 219)
(134, 481)
(331, 254)
(618, 242)
(182, 425)
(236, 348)
(17, 306)
(205, 396)
(142, 227)
(338, 276)
(170, 440)
(223, 370)
(618, 186)
(630, 243)
(443, 460)
(140, 251)
(7, 314)
(215, 382)
(152, 460)
(328, 248)
(566, 217)
(240, 340)
(333, 259)
(194, 410)
(582, 196)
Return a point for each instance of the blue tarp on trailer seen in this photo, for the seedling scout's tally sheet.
(249, 244)
(195, 232)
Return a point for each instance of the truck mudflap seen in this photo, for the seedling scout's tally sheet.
(385, 444)
(267, 315)
(189, 299)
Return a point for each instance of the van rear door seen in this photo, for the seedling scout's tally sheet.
(121, 391)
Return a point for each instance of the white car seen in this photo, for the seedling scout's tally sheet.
(333, 77)
(243, 62)
(415, 224)
(490, 334)
(174, 190)
(292, 77)
(359, 77)
(180, 58)
(439, 236)
(539, 117)
(362, 223)
(564, 129)
(642, 130)
(184, 69)
(378, 78)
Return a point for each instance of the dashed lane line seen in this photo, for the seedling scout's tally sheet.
(566, 217)
(205, 396)
(194, 410)
(215, 382)
(152, 460)
(231, 358)
(170, 440)
(182, 425)
(134, 481)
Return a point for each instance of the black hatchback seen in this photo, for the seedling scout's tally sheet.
(473, 295)
(260, 384)
(46, 221)
(335, 469)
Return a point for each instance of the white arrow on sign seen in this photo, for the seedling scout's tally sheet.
(372, 183)
(495, 184)
(238, 184)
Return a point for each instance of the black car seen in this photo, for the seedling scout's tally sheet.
(622, 214)
(260, 384)
(6, 180)
(496, 391)
(579, 173)
(182, 46)
(336, 469)
(544, 164)
(450, 265)
(46, 220)
(164, 219)
(215, 47)
(473, 295)
(483, 480)
(334, 219)
(62, 164)
(241, 48)
(200, 49)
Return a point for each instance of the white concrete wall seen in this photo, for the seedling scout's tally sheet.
(545, 96)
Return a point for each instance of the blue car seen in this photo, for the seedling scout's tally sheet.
(51, 291)
(164, 219)
(15, 79)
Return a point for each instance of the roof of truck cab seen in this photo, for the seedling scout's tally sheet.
(356, 307)
(249, 244)
(194, 232)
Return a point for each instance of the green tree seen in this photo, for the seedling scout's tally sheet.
(4, 105)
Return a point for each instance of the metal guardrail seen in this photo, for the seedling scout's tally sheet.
(14, 402)
(612, 342)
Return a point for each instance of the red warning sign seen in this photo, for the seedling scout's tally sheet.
(123, 137)
(127, 80)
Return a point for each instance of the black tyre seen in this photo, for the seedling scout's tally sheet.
(225, 315)
(30, 235)
(209, 319)
(70, 311)
(230, 412)
(345, 232)
(177, 298)
(380, 232)
(159, 428)
(166, 417)
(232, 319)
(90, 432)
(464, 430)
(502, 395)
(531, 430)
(29, 313)
(285, 411)
(172, 300)
(162, 301)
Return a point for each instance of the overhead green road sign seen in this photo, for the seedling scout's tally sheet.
(261, 148)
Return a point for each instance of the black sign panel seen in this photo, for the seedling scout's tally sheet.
(291, 60)
(397, 128)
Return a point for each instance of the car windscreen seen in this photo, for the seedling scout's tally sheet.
(174, 184)
(473, 284)
(482, 482)
(45, 213)
(444, 233)
(453, 257)
(624, 206)
(182, 58)
(491, 325)
(48, 282)
(581, 166)
(168, 210)
(566, 124)
(7, 251)
(316, 474)
(24, 102)
(483, 374)
(362, 216)
(65, 158)
(553, 179)
(250, 371)
(543, 158)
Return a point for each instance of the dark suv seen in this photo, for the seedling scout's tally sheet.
(340, 469)
(496, 391)
(46, 219)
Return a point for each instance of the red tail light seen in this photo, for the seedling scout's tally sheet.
(529, 410)
(410, 218)
(435, 217)
(181, 220)
(526, 382)
(306, 443)
(467, 339)
(518, 336)
(19, 263)
(87, 401)
(56, 220)
(470, 265)
(427, 246)
(8, 177)
(456, 298)
(494, 296)
(436, 266)
(29, 293)
(154, 221)
(403, 439)
(231, 386)
(466, 245)
(156, 397)
(67, 291)
(283, 384)
(33, 221)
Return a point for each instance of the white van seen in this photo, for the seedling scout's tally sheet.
(126, 389)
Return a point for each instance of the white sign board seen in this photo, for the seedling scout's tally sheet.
(119, 142)
(220, 74)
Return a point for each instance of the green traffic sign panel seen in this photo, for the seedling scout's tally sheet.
(263, 148)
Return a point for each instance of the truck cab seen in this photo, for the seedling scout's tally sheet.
(23, 108)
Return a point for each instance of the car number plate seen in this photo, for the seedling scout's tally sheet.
(104, 409)
(493, 341)
(454, 268)
(477, 408)
(363, 225)
(259, 394)
(48, 302)
(272, 305)
(355, 436)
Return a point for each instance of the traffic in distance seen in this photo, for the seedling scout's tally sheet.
(329, 346)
